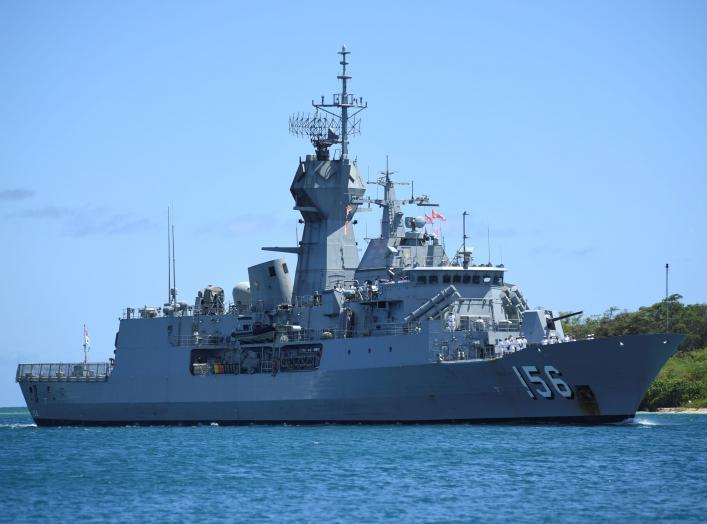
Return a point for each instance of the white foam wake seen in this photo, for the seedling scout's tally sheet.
(18, 426)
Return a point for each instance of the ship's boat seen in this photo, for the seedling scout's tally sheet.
(405, 333)
(259, 333)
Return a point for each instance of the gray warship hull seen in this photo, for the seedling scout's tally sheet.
(403, 334)
(607, 378)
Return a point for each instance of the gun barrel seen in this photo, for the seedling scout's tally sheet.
(568, 315)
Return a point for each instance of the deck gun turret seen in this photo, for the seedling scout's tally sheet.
(551, 320)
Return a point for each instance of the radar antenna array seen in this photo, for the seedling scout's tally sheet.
(316, 126)
(327, 126)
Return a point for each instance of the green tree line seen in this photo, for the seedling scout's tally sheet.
(683, 380)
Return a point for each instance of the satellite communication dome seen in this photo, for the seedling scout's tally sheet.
(241, 294)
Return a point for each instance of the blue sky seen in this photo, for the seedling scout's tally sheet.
(575, 131)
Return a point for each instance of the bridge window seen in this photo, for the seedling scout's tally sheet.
(434, 279)
(447, 279)
(477, 279)
(466, 279)
(271, 270)
(487, 279)
(456, 279)
(498, 279)
(422, 279)
(284, 268)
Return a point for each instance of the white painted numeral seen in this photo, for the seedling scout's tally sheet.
(525, 384)
(532, 373)
(540, 386)
(560, 385)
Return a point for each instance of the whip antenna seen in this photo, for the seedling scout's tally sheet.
(169, 261)
(667, 304)
(488, 240)
(174, 267)
(465, 255)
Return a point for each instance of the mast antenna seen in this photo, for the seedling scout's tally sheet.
(174, 267)
(332, 123)
(465, 255)
(169, 261)
(488, 240)
(667, 304)
(86, 345)
(344, 104)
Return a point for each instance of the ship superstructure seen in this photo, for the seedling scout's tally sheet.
(405, 334)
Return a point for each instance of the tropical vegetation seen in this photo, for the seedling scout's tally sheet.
(683, 380)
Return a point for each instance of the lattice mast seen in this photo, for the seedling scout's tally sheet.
(327, 126)
(327, 192)
(392, 216)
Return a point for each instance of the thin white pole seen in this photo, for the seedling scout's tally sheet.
(667, 304)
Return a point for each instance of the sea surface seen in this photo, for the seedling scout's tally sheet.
(653, 469)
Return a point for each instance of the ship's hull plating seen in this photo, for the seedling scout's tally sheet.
(606, 378)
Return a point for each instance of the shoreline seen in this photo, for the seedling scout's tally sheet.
(691, 411)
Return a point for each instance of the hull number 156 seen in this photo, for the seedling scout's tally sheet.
(536, 385)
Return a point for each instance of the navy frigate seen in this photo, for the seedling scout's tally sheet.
(405, 333)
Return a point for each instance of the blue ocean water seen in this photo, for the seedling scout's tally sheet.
(654, 469)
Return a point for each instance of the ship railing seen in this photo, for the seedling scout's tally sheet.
(182, 310)
(484, 302)
(304, 301)
(60, 372)
(401, 328)
(446, 346)
(197, 340)
(289, 335)
(505, 326)
(463, 354)
(393, 329)
(502, 326)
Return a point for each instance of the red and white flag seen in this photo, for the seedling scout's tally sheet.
(86, 338)
(440, 216)
(429, 219)
(348, 213)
